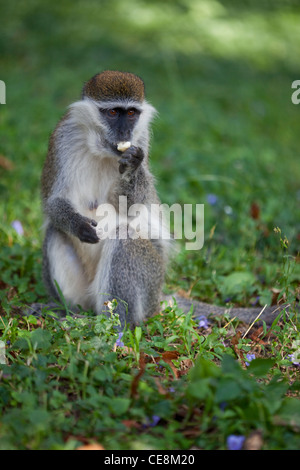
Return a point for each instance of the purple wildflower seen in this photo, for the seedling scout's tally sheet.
(120, 343)
(16, 224)
(152, 421)
(294, 359)
(203, 322)
(235, 442)
(249, 358)
(256, 300)
(155, 420)
(223, 405)
(212, 199)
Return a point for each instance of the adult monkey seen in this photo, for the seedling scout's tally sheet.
(97, 153)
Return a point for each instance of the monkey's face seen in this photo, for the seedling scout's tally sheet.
(120, 122)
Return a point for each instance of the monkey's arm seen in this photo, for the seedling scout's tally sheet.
(64, 218)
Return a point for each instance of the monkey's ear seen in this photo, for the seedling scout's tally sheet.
(85, 113)
(148, 114)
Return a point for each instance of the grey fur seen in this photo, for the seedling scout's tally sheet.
(83, 170)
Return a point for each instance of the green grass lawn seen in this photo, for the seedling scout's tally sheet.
(227, 136)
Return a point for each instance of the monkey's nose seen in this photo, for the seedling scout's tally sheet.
(125, 135)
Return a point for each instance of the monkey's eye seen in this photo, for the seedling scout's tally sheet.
(112, 112)
(130, 112)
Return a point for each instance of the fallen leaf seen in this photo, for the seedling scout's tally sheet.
(234, 341)
(192, 432)
(254, 441)
(131, 423)
(275, 295)
(93, 446)
(186, 364)
(124, 351)
(3, 285)
(183, 293)
(255, 336)
(136, 379)
(6, 163)
(170, 355)
(255, 211)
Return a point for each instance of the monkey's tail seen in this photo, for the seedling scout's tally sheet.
(246, 315)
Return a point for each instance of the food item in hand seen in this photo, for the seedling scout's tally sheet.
(122, 146)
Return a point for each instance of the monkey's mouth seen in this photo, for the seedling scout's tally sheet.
(112, 147)
(119, 147)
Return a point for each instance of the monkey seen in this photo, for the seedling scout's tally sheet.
(99, 152)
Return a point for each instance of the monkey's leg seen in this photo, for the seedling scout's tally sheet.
(62, 264)
(131, 271)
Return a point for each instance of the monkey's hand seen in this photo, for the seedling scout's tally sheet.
(131, 159)
(85, 230)
(64, 217)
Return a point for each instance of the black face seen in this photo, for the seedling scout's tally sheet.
(121, 122)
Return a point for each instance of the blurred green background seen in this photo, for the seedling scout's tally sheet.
(227, 133)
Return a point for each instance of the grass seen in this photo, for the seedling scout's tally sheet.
(168, 384)
(220, 76)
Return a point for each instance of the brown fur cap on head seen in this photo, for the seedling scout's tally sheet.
(111, 85)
